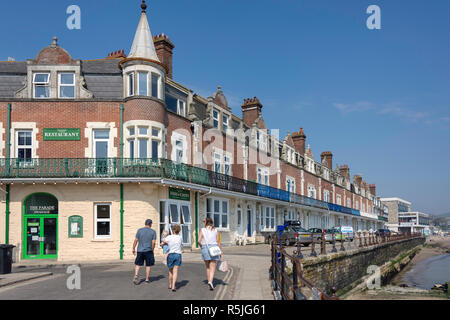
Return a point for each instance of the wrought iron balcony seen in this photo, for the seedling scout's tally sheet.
(69, 168)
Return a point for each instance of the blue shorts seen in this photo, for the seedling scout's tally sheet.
(205, 253)
(148, 257)
(166, 249)
(173, 260)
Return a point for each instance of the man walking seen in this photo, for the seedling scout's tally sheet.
(146, 237)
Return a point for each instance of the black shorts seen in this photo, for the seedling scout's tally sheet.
(148, 257)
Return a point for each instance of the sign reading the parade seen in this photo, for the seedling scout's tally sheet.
(41, 203)
(179, 194)
(62, 134)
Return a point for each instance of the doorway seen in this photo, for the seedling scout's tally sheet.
(40, 227)
(249, 221)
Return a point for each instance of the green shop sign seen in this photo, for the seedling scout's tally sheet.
(62, 134)
(179, 194)
(75, 227)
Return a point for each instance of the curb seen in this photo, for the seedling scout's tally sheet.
(37, 276)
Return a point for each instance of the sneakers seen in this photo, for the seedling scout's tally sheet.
(211, 286)
(136, 280)
(147, 281)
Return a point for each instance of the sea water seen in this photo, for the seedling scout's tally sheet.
(427, 273)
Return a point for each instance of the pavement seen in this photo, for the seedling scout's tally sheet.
(247, 278)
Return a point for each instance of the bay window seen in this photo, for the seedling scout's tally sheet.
(268, 214)
(155, 85)
(143, 83)
(131, 84)
(144, 142)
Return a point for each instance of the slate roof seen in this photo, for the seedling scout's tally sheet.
(104, 66)
(105, 86)
(9, 84)
(13, 67)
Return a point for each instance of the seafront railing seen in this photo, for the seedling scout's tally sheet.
(86, 168)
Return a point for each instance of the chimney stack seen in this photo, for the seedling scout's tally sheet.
(299, 139)
(328, 156)
(116, 54)
(357, 179)
(164, 51)
(251, 110)
(373, 190)
(345, 171)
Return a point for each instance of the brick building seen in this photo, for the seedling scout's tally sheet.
(90, 149)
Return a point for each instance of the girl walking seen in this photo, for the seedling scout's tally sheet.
(209, 238)
(175, 243)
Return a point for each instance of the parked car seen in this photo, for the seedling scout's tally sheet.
(337, 235)
(316, 233)
(383, 232)
(295, 234)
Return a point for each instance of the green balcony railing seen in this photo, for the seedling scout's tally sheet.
(70, 168)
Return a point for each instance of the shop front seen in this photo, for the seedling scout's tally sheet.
(40, 227)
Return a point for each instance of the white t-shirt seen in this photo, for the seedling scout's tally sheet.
(209, 236)
(175, 243)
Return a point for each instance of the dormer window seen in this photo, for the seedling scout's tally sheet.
(143, 83)
(181, 108)
(225, 123)
(216, 118)
(41, 83)
(66, 85)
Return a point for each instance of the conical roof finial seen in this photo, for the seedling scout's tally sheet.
(143, 6)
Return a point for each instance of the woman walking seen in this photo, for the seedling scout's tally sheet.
(209, 238)
(175, 243)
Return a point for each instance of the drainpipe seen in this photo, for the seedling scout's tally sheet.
(121, 185)
(8, 156)
(196, 220)
(7, 215)
(121, 221)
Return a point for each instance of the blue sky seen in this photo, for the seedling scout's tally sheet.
(378, 99)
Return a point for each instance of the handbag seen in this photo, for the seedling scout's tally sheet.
(213, 251)
(223, 266)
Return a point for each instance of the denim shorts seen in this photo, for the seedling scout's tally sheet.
(205, 253)
(166, 249)
(174, 260)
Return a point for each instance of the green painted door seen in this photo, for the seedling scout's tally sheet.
(40, 237)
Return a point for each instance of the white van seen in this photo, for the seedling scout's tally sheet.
(348, 232)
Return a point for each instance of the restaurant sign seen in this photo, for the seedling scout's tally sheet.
(41, 203)
(179, 194)
(62, 134)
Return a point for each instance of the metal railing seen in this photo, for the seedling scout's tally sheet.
(81, 168)
(289, 280)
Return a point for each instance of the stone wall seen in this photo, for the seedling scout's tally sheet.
(344, 268)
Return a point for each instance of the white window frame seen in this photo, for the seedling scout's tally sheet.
(176, 137)
(131, 88)
(158, 85)
(338, 199)
(31, 147)
(139, 83)
(96, 219)
(66, 85)
(269, 218)
(225, 124)
(41, 84)
(290, 184)
(349, 203)
(263, 174)
(326, 195)
(312, 191)
(216, 118)
(181, 107)
(166, 222)
(212, 214)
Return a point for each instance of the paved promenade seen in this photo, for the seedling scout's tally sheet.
(248, 278)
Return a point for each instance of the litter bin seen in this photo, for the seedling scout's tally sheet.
(6, 258)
